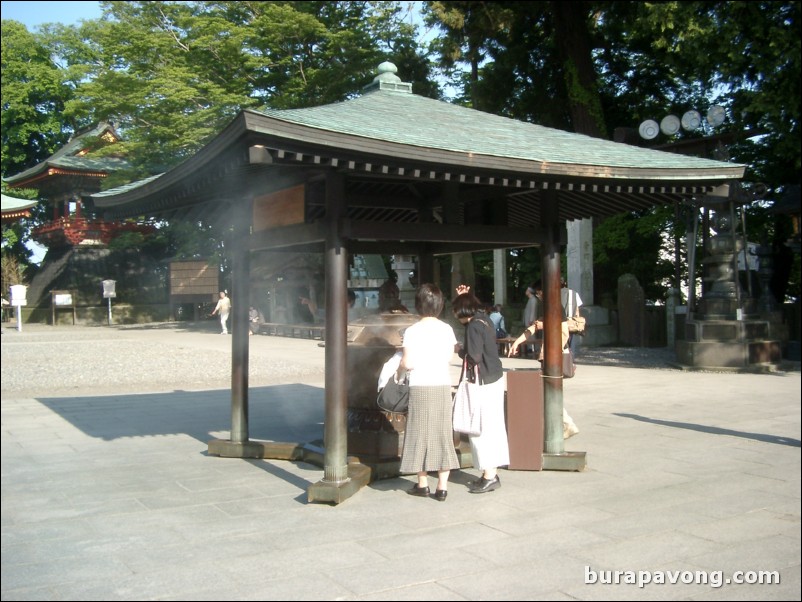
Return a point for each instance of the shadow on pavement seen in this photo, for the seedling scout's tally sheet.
(291, 413)
(714, 430)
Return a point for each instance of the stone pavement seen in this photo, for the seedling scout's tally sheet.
(108, 492)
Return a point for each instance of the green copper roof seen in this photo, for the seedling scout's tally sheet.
(413, 120)
(67, 157)
(10, 203)
(389, 137)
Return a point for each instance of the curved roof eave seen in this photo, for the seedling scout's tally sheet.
(11, 204)
(452, 143)
(162, 182)
(335, 142)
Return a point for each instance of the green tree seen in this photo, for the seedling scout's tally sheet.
(34, 94)
(540, 61)
(171, 75)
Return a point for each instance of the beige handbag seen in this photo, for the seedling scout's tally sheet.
(576, 325)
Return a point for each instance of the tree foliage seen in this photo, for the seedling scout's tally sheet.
(33, 95)
(170, 75)
(592, 67)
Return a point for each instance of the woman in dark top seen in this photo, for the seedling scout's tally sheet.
(480, 352)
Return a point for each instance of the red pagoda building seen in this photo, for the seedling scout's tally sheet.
(78, 256)
(63, 179)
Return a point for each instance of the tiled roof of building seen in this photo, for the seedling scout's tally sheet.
(413, 120)
(69, 157)
(10, 204)
(389, 139)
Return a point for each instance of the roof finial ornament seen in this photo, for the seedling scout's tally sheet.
(388, 80)
(386, 72)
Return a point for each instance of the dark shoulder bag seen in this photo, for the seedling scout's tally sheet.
(394, 396)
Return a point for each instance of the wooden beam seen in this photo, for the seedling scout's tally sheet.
(492, 236)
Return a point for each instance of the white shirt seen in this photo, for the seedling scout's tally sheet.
(429, 349)
(567, 297)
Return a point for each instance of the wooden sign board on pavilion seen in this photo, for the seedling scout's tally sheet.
(282, 208)
(193, 282)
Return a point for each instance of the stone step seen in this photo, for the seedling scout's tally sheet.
(727, 330)
(728, 354)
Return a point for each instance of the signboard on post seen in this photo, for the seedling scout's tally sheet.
(109, 287)
(193, 282)
(62, 300)
(109, 292)
(19, 294)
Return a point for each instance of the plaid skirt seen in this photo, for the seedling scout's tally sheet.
(429, 436)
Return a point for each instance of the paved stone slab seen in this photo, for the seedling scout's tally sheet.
(108, 491)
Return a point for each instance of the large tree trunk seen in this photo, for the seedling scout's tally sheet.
(575, 51)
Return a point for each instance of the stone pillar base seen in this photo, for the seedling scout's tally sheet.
(335, 492)
(570, 461)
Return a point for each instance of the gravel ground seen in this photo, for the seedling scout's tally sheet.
(86, 360)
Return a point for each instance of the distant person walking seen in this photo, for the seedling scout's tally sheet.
(223, 308)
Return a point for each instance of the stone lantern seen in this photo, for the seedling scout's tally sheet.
(727, 328)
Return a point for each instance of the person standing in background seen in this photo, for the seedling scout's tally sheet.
(390, 297)
(531, 314)
(530, 310)
(223, 308)
(571, 303)
(497, 318)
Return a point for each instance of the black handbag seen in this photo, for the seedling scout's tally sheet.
(394, 396)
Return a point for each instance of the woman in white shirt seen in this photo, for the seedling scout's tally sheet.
(428, 349)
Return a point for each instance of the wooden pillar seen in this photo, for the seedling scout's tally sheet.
(240, 298)
(462, 271)
(554, 455)
(339, 480)
(335, 434)
(552, 320)
(500, 276)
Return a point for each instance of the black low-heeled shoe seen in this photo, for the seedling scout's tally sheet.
(419, 491)
(483, 485)
(440, 495)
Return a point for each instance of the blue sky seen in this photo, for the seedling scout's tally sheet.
(34, 14)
